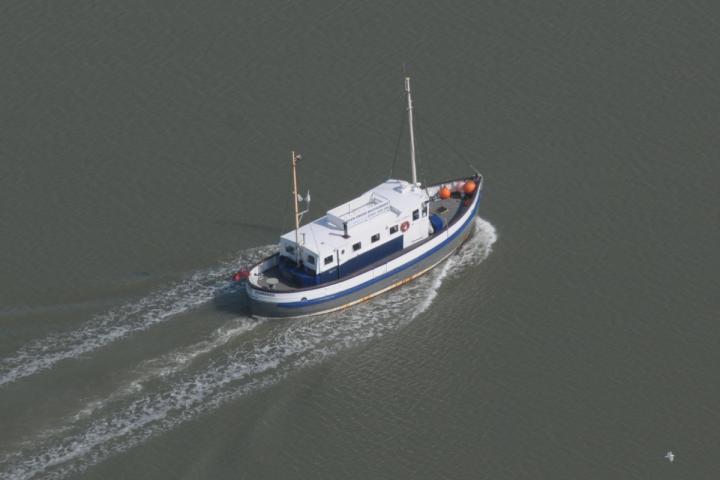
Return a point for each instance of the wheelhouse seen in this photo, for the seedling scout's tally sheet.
(378, 223)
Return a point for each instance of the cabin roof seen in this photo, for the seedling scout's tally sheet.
(380, 206)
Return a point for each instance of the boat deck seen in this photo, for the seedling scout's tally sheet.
(448, 209)
(273, 274)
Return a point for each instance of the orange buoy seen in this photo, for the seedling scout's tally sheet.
(469, 187)
(445, 193)
(404, 227)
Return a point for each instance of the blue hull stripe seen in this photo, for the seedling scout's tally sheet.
(388, 274)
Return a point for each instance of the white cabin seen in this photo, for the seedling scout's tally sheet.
(372, 222)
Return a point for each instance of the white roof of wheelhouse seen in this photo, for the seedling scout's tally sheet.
(383, 205)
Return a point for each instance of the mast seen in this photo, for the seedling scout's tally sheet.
(295, 203)
(412, 133)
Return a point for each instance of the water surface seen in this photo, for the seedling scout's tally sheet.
(144, 155)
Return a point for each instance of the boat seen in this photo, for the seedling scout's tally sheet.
(380, 240)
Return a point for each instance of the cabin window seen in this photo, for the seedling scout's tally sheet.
(328, 260)
(375, 238)
(311, 260)
(425, 209)
(290, 249)
(416, 214)
(393, 229)
(357, 246)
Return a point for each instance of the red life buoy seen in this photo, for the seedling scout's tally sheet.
(404, 226)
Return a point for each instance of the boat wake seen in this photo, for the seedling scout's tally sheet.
(199, 288)
(237, 359)
(171, 363)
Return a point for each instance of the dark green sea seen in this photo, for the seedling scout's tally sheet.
(144, 157)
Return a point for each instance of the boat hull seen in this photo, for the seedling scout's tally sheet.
(277, 304)
(274, 310)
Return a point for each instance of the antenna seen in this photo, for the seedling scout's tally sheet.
(295, 158)
(412, 133)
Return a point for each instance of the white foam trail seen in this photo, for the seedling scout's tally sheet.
(297, 344)
(303, 343)
(175, 361)
(475, 250)
(139, 315)
(164, 366)
(172, 363)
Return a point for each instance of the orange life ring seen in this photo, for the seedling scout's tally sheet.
(404, 226)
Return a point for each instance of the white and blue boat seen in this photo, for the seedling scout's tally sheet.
(386, 237)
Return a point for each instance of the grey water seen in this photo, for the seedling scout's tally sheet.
(144, 156)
